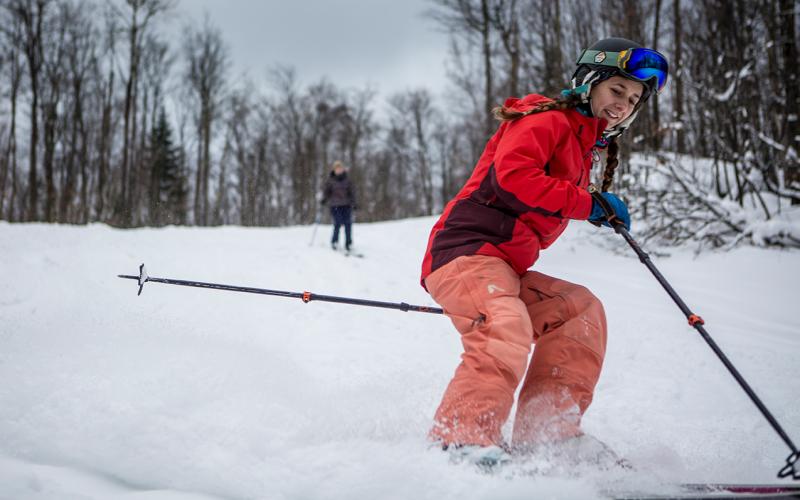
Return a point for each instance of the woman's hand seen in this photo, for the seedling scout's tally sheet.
(618, 208)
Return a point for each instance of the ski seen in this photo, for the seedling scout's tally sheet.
(718, 491)
(348, 253)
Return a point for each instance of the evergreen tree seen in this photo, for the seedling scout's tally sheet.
(168, 191)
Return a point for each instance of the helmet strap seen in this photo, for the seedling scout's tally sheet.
(582, 91)
(585, 87)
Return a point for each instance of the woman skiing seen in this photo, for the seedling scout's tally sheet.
(531, 179)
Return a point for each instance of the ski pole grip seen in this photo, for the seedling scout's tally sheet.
(611, 216)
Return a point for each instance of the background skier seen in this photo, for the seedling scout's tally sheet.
(339, 195)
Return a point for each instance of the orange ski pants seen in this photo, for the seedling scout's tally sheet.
(500, 315)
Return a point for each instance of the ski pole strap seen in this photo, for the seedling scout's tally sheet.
(790, 470)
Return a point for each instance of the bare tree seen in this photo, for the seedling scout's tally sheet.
(291, 149)
(655, 130)
(105, 136)
(677, 76)
(31, 15)
(396, 201)
(238, 142)
(52, 94)
(472, 19)
(137, 16)
(155, 68)
(505, 19)
(13, 64)
(550, 38)
(80, 53)
(207, 64)
(414, 112)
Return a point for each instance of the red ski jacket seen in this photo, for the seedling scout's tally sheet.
(529, 182)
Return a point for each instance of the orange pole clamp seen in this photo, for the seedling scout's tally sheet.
(306, 297)
(695, 320)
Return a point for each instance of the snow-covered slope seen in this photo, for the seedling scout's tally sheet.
(186, 393)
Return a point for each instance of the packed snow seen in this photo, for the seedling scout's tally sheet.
(186, 393)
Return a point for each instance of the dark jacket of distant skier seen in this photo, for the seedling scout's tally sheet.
(338, 191)
(339, 195)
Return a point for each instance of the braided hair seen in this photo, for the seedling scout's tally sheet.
(561, 103)
(612, 162)
(567, 100)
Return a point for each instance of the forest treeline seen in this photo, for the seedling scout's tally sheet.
(106, 115)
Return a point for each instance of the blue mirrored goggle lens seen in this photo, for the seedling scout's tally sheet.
(645, 64)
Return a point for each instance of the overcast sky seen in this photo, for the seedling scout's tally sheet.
(389, 44)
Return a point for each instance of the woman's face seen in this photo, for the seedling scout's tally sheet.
(615, 98)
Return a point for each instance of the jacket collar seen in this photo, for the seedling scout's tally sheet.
(587, 129)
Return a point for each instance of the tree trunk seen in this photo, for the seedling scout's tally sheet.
(12, 147)
(140, 171)
(76, 147)
(422, 155)
(555, 49)
(69, 181)
(129, 117)
(127, 125)
(507, 24)
(206, 162)
(50, 117)
(655, 131)
(10, 164)
(198, 184)
(104, 147)
(33, 50)
(83, 161)
(677, 78)
(487, 68)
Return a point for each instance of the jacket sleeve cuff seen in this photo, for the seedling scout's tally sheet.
(583, 208)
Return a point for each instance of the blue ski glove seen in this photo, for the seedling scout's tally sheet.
(618, 206)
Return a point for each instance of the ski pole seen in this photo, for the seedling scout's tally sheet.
(305, 296)
(316, 225)
(790, 469)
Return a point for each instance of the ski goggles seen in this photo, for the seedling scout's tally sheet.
(639, 64)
